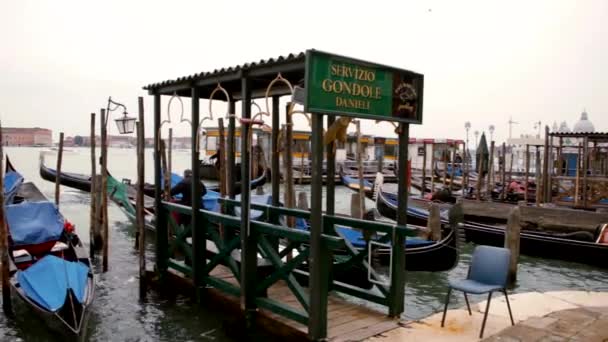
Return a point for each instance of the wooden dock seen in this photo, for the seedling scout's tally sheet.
(346, 321)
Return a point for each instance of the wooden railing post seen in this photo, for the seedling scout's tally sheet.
(162, 241)
(199, 232)
(397, 289)
(317, 325)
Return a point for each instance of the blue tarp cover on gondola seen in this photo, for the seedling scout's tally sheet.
(351, 180)
(32, 223)
(48, 280)
(12, 180)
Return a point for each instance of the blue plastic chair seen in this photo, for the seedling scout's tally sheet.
(488, 273)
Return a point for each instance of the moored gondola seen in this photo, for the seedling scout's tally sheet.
(50, 272)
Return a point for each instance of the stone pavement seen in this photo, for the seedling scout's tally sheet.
(580, 324)
(549, 316)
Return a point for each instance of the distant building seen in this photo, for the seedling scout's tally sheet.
(16, 136)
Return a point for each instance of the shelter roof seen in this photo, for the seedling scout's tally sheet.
(592, 136)
(259, 73)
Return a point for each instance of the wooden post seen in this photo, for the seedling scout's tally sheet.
(301, 165)
(578, 175)
(585, 169)
(491, 178)
(423, 186)
(512, 240)
(452, 169)
(4, 257)
(537, 174)
(503, 177)
(198, 223)
(275, 164)
(104, 189)
(361, 193)
(170, 152)
(139, 201)
(162, 242)
(288, 158)
(303, 200)
(545, 178)
(230, 154)
(93, 215)
(465, 169)
(434, 222)
(526, 183)
(432, 168)
(58, 176)
(445, 165)
(330, 193)
(163, 162)
(222, 172)
(511, 166)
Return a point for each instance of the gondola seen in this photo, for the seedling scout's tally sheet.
(353, 184)
(577, 246)
(83, 182)
(50, 272)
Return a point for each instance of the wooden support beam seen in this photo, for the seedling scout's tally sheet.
(231, 164)
(585, 170)
(248, 237)
(330, 181)
(199, 226)
(491, 178)
(58, 170)
(397, 290)
(527, 172)
(503, 178)
(545, 177)
(104, 190)
(319, 259)
(162, 240)
(452, 173)
(288, 161)
(139, 201)
(93, 225)
(275, 155)
(432, 168)
(537, 169)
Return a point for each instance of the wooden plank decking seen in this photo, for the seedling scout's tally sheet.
(346, 321)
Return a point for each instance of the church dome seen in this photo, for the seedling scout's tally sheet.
(563, 127)
(583, 125)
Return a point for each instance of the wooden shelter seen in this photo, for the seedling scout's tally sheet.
(229, 261)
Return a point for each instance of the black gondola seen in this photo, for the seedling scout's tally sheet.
(577, 247)
(83, 182)
(43, 272)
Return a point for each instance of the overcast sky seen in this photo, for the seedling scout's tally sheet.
(483, 61)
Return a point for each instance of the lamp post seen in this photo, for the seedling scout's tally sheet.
(491, 128)
(125, 124)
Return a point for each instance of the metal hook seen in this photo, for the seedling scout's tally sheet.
(279, 78)
(212, 95)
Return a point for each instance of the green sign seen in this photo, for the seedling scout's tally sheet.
(345, 86)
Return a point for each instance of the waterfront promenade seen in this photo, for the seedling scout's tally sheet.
(549, 316)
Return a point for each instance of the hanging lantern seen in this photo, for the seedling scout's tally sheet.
(125, 124)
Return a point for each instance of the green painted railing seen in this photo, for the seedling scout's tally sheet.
(275, 265)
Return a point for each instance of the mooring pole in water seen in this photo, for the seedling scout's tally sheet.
(503, 195)
(170, 152)
(526, 176)
(546, 191)
(537, 176)
(491, 178)
(432, 168)
(6, 286)
(423, 186)
(445, 165)
(434, 222)
(465, 170)
(361, 193)
(104, 189)
(141, 179)
(58, 174)
(512, 240)
(452, 173)
(93, 215)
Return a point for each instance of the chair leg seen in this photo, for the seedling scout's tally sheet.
(508, 306)
(466, 299)
(445, 309)
(485, 315)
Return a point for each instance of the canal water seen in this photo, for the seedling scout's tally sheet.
(118, 315)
